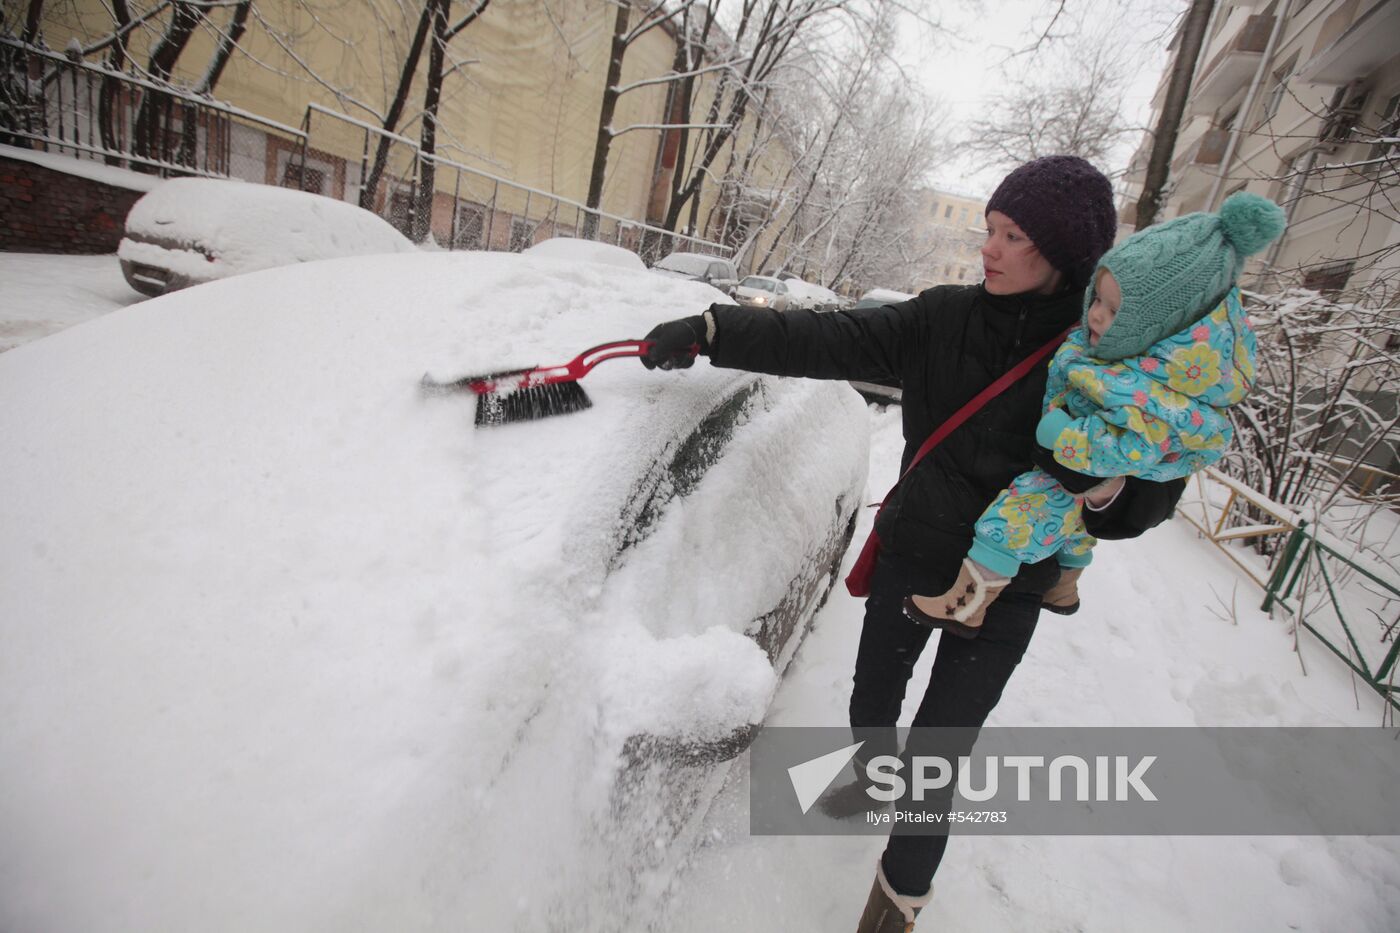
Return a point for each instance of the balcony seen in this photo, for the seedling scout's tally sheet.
(1209, 149)
(1233, 67)
(1362, 47)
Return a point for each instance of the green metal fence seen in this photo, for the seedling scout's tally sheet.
(1338, 614)
(1348, 600)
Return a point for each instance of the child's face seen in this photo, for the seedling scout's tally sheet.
(1108, 298)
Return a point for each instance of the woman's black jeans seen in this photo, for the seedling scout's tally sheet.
(967, 681)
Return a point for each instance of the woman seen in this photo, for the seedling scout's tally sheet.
(1047, 225)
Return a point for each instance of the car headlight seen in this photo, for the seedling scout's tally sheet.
(760, 300)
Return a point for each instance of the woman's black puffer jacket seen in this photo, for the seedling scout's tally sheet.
(942, 347)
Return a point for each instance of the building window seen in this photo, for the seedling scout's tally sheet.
(1387, 131)
(1329, 279)
(1342, 115)
(962, 217)
(1292, 179)
(471, 227)
(948, 212)
(522, 234)
(307, 179)
(934, 209)
(1279, 88)
(401, 209)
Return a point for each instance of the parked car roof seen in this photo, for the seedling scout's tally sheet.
(187, 231)
(688, 263)
(885, 296)
(268, 609)
(812, 296)
(570, 249)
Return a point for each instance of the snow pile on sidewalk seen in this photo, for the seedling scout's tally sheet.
(42, 294)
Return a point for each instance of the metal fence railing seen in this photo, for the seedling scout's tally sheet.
(53, 103)
(50, 102)
(460, 206)
(1349, 601)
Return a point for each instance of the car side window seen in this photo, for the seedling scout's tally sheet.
(716, 270)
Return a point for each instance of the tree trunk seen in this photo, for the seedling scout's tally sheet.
(111, 87)
(605, 117)
(227, 41)
(432, 96)
(1164, 136)
(370, 188)
(31, 22)
(150, 130)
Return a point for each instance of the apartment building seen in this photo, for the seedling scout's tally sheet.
(1297, 100)
(949, 240)
(300, 100)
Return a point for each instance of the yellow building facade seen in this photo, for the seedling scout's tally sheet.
(518, 118)
(949, 239)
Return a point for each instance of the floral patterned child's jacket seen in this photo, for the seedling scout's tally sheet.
(1157, 416)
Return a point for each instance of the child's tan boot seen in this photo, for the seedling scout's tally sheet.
(1063, 597)
(961, 609)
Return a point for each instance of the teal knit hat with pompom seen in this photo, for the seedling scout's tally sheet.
(1175, 273)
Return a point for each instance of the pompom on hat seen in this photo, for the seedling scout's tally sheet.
(1173, 274)
(1065, 206)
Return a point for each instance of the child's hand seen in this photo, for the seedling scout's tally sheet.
(1102, 494)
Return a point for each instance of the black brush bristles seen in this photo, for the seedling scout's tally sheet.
(559, 398)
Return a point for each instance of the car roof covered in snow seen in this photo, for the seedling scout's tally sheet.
(243, 227)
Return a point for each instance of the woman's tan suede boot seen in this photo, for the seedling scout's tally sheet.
(887, 911)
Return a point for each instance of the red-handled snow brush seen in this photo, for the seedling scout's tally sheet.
(536, 391)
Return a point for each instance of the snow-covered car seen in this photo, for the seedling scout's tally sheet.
(813, 297)
(187, 231)
(289, 644)
(698, 267)
(879, 297)
(762, 291)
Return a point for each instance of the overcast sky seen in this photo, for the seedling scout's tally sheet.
(968, 71)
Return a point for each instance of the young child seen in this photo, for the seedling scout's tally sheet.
(1140, 389)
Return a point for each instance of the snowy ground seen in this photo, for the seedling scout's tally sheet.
(42, 294)
(1170, 661)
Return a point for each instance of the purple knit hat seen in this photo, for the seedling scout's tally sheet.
(1065, 205)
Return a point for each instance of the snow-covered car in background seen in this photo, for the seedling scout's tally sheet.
(888, 392)
(879, 297)
(698, 267)
(187, 231)
(761, 291)
(804, 294)
(290, 644)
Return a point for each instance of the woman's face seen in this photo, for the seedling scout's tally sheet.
(1012, 264)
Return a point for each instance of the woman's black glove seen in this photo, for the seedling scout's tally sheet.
(675, 344)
